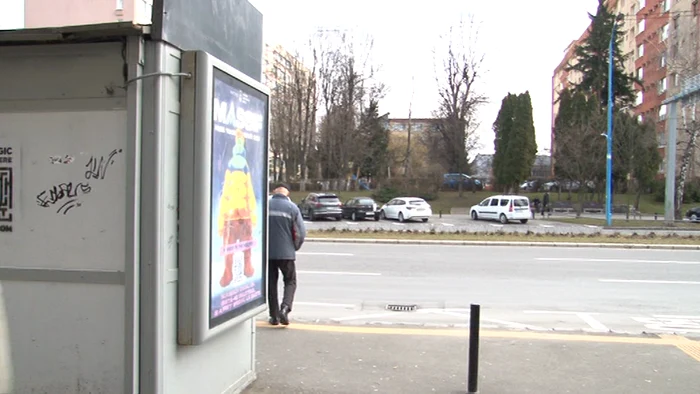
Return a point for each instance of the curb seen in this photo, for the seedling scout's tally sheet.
(505, 243)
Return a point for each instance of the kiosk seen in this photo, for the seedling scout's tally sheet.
(133, 203)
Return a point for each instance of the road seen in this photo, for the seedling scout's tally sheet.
(452, 223)
(533, 288)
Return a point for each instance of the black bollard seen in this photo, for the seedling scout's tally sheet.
(441, 213)
(473, 367)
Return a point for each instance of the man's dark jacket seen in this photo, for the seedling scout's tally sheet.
(287, 232)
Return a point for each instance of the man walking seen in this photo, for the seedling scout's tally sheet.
(287, 234)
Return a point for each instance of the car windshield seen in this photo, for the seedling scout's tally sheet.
(417, 202)
(521, 202)
(365, 201)
(328, 199)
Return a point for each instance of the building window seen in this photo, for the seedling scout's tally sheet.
(664, 32)
(640, 51)
(640, 98)
(641, 25)
(640, 118)
(642, 4)
(662, 112)
(663, 85)
(662, 138)
(676, 80)
(667, 5)
(640, 73)
(120, 5)
(662, 60)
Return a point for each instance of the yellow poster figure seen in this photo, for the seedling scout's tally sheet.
(237, 211)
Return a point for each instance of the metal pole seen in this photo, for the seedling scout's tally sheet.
(473, 367)
(608, 157)
(669, 203)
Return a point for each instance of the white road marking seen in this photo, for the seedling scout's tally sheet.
(670, 324)
(352, 223)
(340, 273)
(307, 222)
(356, 317)
(580, 259)
(398, 224)
(496, 225)
(324, 254)
(590, 226)
(585, 316)
(330, 305)
(515, 325)
(546, 225)
(448, 224)
(677, 317)
(659, 282)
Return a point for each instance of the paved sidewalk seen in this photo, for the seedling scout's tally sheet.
(346, 359)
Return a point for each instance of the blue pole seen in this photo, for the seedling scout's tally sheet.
(608, 161)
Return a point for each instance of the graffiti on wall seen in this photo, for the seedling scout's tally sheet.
(66, 196)
(9, 161)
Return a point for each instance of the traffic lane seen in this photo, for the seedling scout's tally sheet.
(503, 262)
(507, 294)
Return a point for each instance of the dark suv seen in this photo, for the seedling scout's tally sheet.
(321, 205)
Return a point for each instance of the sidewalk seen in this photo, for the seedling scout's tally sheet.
(347, 359)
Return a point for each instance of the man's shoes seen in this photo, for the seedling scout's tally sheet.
(274, 321)
(284, 315)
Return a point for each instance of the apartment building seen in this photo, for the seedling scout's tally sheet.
(645, 29)
(684, 63)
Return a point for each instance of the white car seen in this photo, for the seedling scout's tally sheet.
(406, 208)
(503, 209)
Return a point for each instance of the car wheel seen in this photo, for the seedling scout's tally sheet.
(425, 220)
(382, 215)
(503, 218)
(376, 218)
(523, 221)
(694, 217)
(401, 219)
(353, 217)
(339, 218)
(475, 216)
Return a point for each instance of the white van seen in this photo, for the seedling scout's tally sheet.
(503, 209)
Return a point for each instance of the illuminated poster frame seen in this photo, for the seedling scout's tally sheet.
(224, 140)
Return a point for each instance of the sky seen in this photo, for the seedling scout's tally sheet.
(522, 42)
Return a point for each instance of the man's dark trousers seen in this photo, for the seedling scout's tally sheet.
(289, 276)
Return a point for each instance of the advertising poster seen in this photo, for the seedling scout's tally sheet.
(239, 201)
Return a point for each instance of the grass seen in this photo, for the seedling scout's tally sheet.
(628, 223)
(513, 237)
(448, 200)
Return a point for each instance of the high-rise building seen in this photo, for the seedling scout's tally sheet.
(645, 28)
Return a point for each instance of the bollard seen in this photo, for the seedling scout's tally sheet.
(441, 213)
(473, 367)
(656, 216)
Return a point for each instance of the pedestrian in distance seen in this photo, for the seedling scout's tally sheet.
(286, 236)
(545, 203)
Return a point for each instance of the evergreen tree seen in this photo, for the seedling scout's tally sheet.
(515, 145)
(372, 131)
(593, 55)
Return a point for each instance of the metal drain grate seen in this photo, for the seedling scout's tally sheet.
(401, 308)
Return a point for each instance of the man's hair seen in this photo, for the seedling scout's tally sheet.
(281, 184)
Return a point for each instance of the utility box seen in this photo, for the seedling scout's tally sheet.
(91, 261)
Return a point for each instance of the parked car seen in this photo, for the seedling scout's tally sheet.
(693, 214)
(406, 208)
(468, 183)
(360, 208)
(321, 206)
(503, 209)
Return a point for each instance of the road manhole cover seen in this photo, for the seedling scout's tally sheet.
(401, 308)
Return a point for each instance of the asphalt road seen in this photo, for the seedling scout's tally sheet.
(534, 288)
(452, 223)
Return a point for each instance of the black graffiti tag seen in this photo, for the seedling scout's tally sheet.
(97, 168)
(64, 193)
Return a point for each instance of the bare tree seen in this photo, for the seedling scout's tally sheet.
(407, 160)
(684, 64)
(293, 113)
(459, 100)
(346, 87)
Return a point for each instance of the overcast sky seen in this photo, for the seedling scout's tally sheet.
(523, 41)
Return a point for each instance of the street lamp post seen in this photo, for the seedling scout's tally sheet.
(608, 157)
